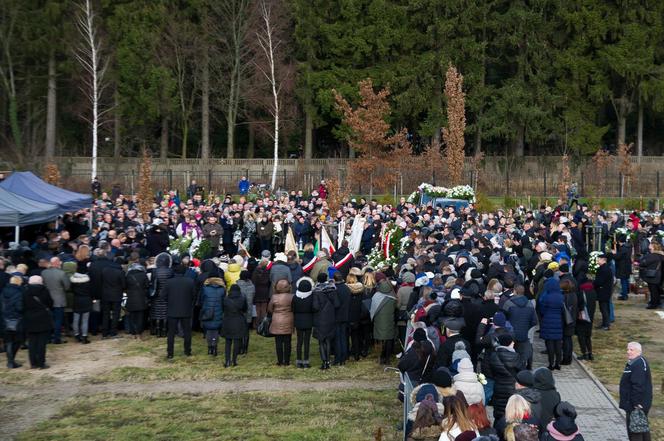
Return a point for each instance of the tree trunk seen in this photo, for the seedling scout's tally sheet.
(51, 98)
(185, 135)
(163, 153)
(308, 133)
(478, 140)
(13, 121)
(622, 128)
(518, 141)
(251, 144)
(639, 131)
(117, 127)
(205, 109)
(230, 135)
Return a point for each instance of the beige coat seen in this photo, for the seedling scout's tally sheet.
(282, 314)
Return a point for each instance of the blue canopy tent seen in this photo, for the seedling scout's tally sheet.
(27, 185)
(16, 211)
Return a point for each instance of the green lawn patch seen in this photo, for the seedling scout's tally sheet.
(260, 362)
(255, 416)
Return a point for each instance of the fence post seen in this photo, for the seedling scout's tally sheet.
(658, 185)
(284, 185)
(209, 180)
(544, 184)
(620, 185)
(170, 178)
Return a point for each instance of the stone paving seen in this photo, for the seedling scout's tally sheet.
(599, 418)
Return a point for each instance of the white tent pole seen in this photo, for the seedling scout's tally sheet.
(17, 233)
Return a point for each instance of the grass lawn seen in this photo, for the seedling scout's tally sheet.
(260, 362)
(303, 416)
(633, 323)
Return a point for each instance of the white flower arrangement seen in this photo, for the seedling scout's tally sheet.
(459, 192)
(413, 197)
(593, 264)
(624, 231)
(481, 378)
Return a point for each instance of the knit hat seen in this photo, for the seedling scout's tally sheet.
(468, 435)
(420, 335)
(553, 266)
(266, 254)
(385, 287)
(456, 294)
(421, 279)
(546, 256)
(465, 365)
(441, 377)
(460, 351)
(499, 319)
(304, 285)
(380, 276)
(280, 257)
(525, 378)
(35, 280)
(476, 274)
(408, 277)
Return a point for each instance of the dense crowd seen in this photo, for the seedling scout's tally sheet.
(459, 308)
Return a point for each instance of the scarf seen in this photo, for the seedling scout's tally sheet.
(377, 302)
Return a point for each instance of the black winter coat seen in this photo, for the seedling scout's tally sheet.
(341, 314)
(234, 323)
(113, 283)
(160, 276)
(505, 363)
(261, 279)
(157, 241)
(623, 259)
(546, 386)
(587, 298)
(444, 355)
(138, 285)
(572, 304)
(651, 261)
(37, 305)
(95, 271)
(357, 313)
(180, 296)
(636, 386)
(303, 310)
(603, 283)
(81, 287)
(324, 304)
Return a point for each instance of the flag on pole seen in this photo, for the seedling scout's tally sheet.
(357, 229)
(324, 242)
(290, 241)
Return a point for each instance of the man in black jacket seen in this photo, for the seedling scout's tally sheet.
(341, 319)
(636, 387)
(622, 255)
(180, 295)
(603, 285)
(113, 286)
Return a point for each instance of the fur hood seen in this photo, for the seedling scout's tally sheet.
(214, 281)
(356, 288)
(79, 278)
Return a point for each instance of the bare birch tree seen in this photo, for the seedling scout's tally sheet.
(89, 55)
(230, 26)
(269, 44)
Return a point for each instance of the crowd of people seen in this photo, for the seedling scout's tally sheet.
(459, 309)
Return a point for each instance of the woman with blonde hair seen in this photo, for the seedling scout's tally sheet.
(358, 316)
(456, 419)
(369, 281)
(520, 425)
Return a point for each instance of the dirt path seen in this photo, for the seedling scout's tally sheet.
(42, 394)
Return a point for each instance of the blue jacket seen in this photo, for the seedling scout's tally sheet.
(12, 302)
(243, 185)
(212, 298)
(550, 304)
(521, 315)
